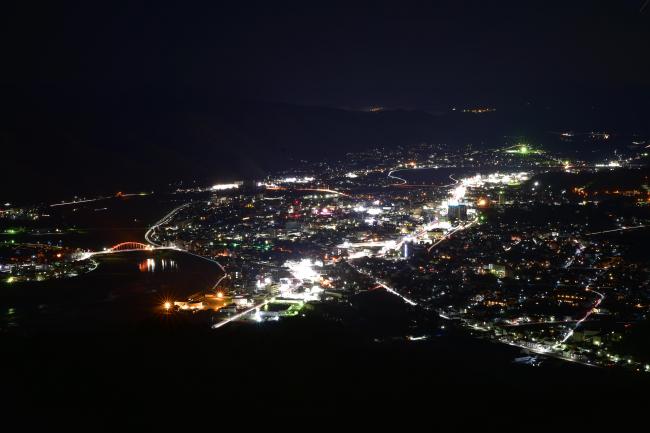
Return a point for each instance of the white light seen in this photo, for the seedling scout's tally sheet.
(223, 186)
(304, 269)
(297, 179)
(458, 193)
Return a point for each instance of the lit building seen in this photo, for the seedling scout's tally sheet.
(457, 212)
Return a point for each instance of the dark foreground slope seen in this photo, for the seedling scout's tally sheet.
(159, 372)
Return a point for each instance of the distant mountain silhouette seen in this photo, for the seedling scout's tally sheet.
(51, 153)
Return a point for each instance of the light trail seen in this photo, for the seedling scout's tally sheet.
(219, 281)
(90, 200)
(240, 315)
(325, 190)
(384, 286)
(450, 233)
(202, 257)
(405, 182)
(163, 220)
(617, 230)
(392, 291)
(572, 259)
(585, 317)
(390, 174)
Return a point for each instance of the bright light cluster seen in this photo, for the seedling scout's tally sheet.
(305, 179)
(304, 269)
(494, 178)
(223, 186)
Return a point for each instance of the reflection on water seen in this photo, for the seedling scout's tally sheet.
(151, 265)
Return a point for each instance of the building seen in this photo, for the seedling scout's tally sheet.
(457, 212)
(499, 271)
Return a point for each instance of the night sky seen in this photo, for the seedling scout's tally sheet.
(87, 57)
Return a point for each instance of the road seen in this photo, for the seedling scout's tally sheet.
(163, 220)
(451, 232)
(405, 182)
(397, 246)
(415, 235)
(167, 218)
(240, 315)
(622, 229)
(585, 317)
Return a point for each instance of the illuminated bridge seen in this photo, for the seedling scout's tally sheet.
(130, 246)
(126, 247)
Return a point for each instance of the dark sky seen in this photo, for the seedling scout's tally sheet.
(424, 54)
(160, 91)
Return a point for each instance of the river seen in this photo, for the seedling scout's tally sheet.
(124, 289)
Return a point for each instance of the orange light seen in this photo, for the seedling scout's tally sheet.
(219, 295)
(58, 255)
(482, 202)
(167, 305)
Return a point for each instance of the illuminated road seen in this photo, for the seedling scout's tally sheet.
(325, 190)
(90, 200)
(415, 235)
(383, 286)
(622, 229)
(405, 182)
(572, 259)
(586, 316)
(163, 220)
(451, 232)
(67, 203)
(216, 285)
(167, 218)
(392, 291)
(240, 315)
(390, 174)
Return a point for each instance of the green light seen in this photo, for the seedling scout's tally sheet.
(523, 149)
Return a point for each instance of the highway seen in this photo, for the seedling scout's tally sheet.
(167, 218)
(451, 232)
(405, 182)
(622, 229)
(325, 190)
(585, 317)
(163, 220)
(240, 315)
(67, 203)
(390, 174)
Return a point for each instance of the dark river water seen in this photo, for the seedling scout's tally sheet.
(125, 288)
(103, 223)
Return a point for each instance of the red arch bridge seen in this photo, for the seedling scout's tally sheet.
(125, 247)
